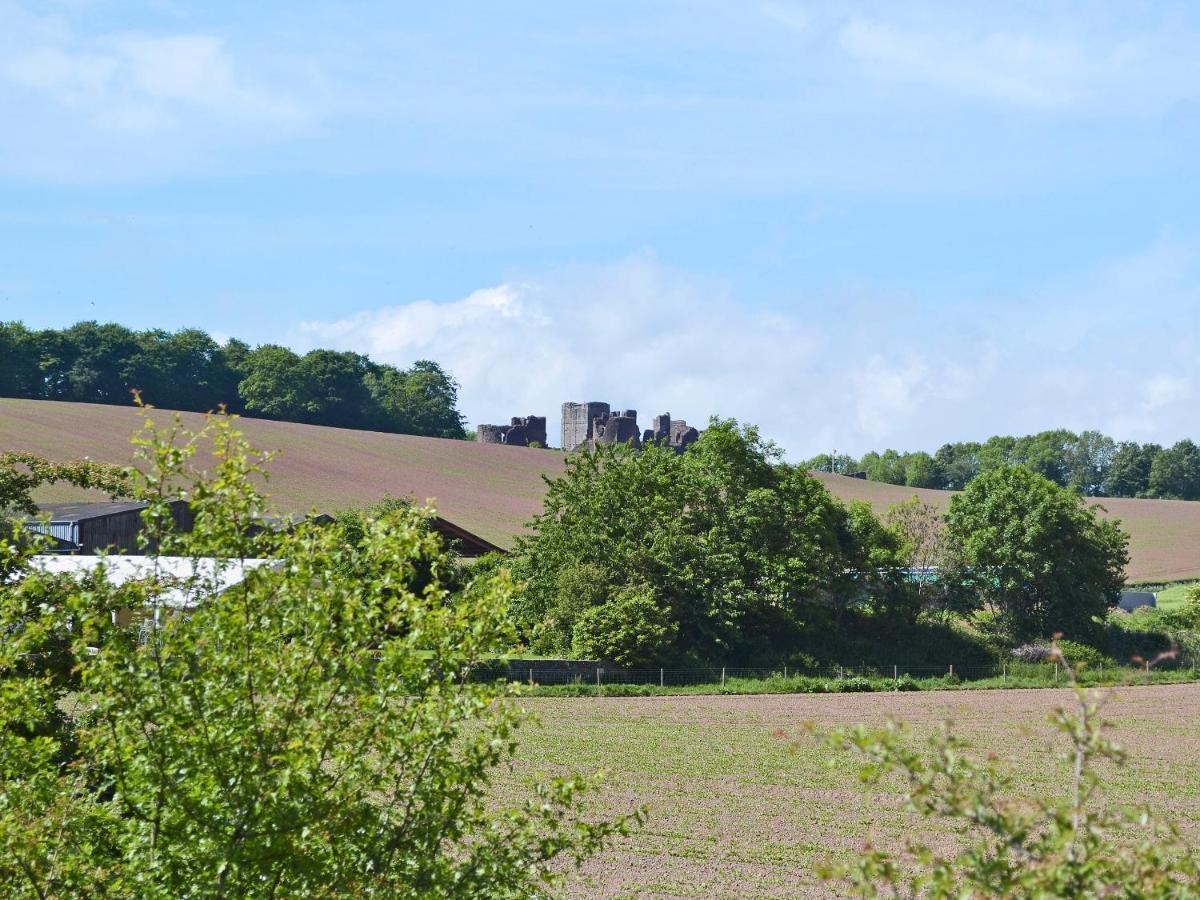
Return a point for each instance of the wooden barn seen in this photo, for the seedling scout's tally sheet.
(88, 528)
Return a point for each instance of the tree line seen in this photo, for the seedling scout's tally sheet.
(1088, 462)
(189, 370)
(726, 553)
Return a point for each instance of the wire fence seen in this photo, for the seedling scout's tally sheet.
(723, 675)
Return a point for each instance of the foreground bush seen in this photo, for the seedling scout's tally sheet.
(1035, 848)
(307, 732)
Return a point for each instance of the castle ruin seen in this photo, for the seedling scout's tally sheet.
(593, 423)
(521, 432)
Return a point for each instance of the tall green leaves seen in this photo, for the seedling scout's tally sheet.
(736, 548)
(311, 730)
(1036, 552)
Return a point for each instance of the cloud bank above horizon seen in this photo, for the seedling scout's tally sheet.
(856, 225)
(844, 373)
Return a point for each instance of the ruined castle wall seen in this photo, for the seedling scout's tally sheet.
(577, 419)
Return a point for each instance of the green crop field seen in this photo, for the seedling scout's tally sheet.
(736, 809)
(1174, 596)
(488, 489)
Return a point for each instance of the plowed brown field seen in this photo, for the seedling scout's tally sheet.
(491, 490)
(736, 811)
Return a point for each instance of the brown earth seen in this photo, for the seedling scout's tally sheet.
(491, 490)
(736, 810)
(488, 489)
(1164, 535)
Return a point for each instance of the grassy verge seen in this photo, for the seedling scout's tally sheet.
(804, 684)
(1175, 595)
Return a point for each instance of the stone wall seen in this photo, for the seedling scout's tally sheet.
(520, 432)
(589, 424)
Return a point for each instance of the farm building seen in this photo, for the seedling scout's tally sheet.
(88, 528)
(1131, 600)
(183, 582)
(465, 543)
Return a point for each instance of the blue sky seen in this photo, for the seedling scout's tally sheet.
(857, 225)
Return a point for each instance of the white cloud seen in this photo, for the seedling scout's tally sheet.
(1023, 69)
(888, 393)
(792, 17)
(1164, 389)
(829, 372)
(636, 333)
(144, 83)
(130, 104)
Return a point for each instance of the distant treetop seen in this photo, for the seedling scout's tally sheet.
(1089, 462)
(188, 370)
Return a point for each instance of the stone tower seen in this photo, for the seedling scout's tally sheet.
(577, 419)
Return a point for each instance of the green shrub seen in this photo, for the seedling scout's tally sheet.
(1035, 847)
(631, 629)
(1077, 654)
(305, 732)
(855, 685)
(906, 683)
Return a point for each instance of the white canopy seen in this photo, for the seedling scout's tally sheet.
(186, 582)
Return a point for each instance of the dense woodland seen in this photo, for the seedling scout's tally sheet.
(188, 370)
(1089, 462)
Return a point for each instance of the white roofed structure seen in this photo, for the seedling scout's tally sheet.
(185, 582)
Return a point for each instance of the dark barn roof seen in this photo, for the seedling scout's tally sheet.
(68, 526)
(76, 512)
(467, 544)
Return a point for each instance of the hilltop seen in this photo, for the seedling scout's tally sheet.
(489, 489)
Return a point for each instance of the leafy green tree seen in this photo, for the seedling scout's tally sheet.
(835, 463)
(1036, 847)
(887, 467)
(20, 370)
(23, 473)
(921, 529)
(182, 370)
(739, 548)
(1128, 472)
(632, 629)
(920, 471)
(335, 389)
(305, 732)
(274, 385)
(188, 370)
(94, 363)
(578, 588)
(1175, 472)
(958, 464)
(1036, 552)
(423, 400)
(1088, 462)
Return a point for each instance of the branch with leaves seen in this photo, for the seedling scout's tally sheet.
(1019, 848)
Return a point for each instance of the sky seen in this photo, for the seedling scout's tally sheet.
(856, 225)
